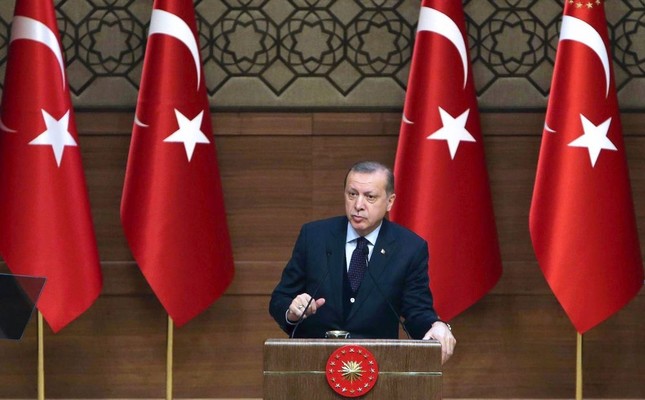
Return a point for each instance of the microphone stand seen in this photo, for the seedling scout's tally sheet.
(304, 311)
(366, 252)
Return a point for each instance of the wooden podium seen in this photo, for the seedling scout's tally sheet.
(296, 368)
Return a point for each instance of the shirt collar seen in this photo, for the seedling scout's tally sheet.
(371, 237)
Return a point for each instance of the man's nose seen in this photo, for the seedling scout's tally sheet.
(359, 203)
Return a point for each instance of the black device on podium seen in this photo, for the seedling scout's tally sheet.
(18, 297)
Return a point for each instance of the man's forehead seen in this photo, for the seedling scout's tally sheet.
(362, 179)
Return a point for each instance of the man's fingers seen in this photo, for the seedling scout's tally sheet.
(447, 345)
(297, 306)
(315, 305)
(447, 348)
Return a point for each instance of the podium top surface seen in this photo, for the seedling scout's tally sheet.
(423, 356)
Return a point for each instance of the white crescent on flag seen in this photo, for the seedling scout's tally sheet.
(31, 29)
(548, 129)
(579, 31)
(137, 122)
(164, 23)
(435, 21)
(5, 127)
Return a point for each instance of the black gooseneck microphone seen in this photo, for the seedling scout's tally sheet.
(302, 316)
(366, 252)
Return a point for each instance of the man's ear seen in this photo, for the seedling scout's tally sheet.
(390, 201)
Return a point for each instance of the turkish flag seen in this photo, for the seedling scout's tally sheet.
(45, 222)
(582, 216)
(172, 207)
(442, 184)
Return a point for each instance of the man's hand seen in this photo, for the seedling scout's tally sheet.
(297, 307)
(441, 332)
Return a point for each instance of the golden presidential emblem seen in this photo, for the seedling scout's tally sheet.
(352, 371)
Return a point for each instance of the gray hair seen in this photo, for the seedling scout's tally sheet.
(370, 167)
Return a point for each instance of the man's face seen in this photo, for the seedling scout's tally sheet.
(366, 201)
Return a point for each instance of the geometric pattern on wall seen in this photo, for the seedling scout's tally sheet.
(331, 53)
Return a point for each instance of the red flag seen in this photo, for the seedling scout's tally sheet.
(44, 211)
(172, 208)
(442, 183)
(582, 216)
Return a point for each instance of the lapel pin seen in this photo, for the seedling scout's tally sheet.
(383, 251)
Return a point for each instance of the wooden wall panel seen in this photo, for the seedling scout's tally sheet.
(279, 171)
(267, 184)
(523, 346)
(104, 160)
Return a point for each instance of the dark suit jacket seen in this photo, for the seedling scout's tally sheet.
(399, 265)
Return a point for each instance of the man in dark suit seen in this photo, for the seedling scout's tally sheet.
(362, 297)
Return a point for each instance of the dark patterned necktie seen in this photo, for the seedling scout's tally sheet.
(358, 264)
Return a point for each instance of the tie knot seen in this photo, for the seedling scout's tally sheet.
(361, 242)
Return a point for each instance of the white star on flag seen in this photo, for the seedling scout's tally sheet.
(189, 132)
(453, 131)
(56, 135)
(594, 138)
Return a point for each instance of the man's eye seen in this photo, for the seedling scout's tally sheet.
(351, 195)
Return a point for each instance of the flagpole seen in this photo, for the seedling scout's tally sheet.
(41, 359)
(169, 346)
(579, 367)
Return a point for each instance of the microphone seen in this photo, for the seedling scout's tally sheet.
(304, 311)
(366, 252)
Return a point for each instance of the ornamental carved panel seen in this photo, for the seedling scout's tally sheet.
(330, 54)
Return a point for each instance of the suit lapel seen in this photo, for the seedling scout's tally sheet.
(336, 264)
(383, 249)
